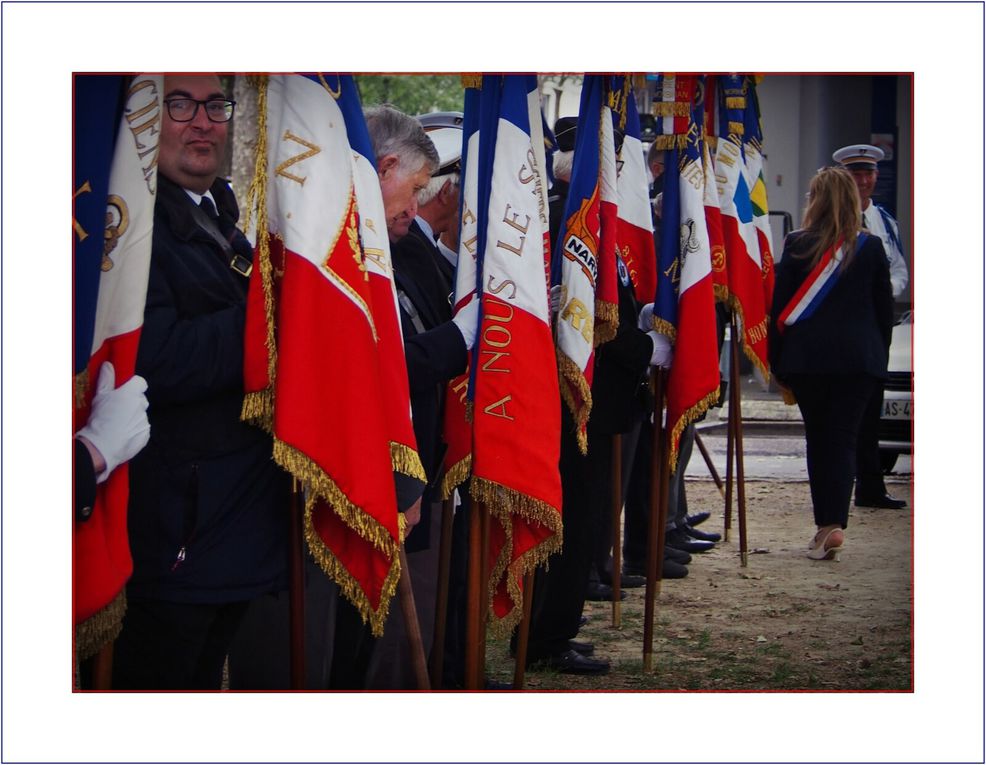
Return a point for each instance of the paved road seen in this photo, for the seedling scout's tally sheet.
(770, 453)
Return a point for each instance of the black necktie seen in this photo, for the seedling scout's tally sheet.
(209, 208)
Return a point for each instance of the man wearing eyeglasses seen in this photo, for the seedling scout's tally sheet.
(207, 513)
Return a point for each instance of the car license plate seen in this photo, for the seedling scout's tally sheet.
(896, 410)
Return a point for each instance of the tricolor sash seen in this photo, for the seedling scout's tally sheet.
(816, 287)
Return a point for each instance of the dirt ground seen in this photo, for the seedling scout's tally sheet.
(783, 622)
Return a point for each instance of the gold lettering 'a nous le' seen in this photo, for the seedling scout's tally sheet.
(495, 345)
(511, 220)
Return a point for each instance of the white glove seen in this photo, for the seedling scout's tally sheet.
(117, 426)
(554, 298)
(645, 321)
(466, 320)
(663, 353)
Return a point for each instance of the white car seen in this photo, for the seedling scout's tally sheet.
(896, 433)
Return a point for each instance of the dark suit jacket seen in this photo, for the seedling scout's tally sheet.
(849, 333)
(433, 347)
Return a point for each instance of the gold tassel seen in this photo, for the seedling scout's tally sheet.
(348, 585)
(101, 628)
(81, 387)
(721, 293)
(472, 81)
(407, 461)
(456, 475)
(570, 375)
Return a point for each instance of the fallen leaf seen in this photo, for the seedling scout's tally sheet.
(761, 639)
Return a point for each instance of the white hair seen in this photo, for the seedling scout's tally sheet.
(435, 184)
(562, 165)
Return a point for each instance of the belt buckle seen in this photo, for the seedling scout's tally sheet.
(241, 265)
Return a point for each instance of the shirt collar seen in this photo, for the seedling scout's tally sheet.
(197, 198)
(425, 227)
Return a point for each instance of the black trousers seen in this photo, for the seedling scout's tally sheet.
(832, 407)
(869, 473)
(174, 646)
(559, 590)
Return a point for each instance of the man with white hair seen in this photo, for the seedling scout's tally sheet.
(861, 160)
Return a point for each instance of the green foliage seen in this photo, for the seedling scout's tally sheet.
(412, 93)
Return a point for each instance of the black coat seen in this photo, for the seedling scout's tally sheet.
(207, 514)
(434, 351)
(850, 331)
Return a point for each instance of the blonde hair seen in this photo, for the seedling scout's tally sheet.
(834, 214)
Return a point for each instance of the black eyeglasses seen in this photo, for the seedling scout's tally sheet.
(185, 109)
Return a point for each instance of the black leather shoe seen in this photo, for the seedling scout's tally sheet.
(582, 647)
(694, 520)
(705, 536)
(571, 662)
(680, 540)
(583, 620)
(676, 555)
(628, 580)
(885, 502)
(598, 591)
(672, 570)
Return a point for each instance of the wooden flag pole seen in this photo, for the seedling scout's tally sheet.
(411, 625)
(297, 585)
(655, 527)
(102, 668)
(441, 598)
(735, 414)
(484, 591)
(524, 631)
(709, 464)
(617, 508)
(473, 677)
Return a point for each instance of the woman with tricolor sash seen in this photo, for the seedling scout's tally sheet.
(829, 333)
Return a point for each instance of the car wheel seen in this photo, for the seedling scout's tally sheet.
(887, 461)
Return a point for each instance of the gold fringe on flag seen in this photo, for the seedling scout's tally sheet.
(607, 321)
(321, 486)
(80, 384)
(690, 415)
(472, 81)
(407, 461)
(666, 328)
(668, 142)
(101, 628)
(737, 309)
(503, 503)
(570, 375)
(261, 407)
(671, 109)
(455, 476)
(347, 584)
(721, 293)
